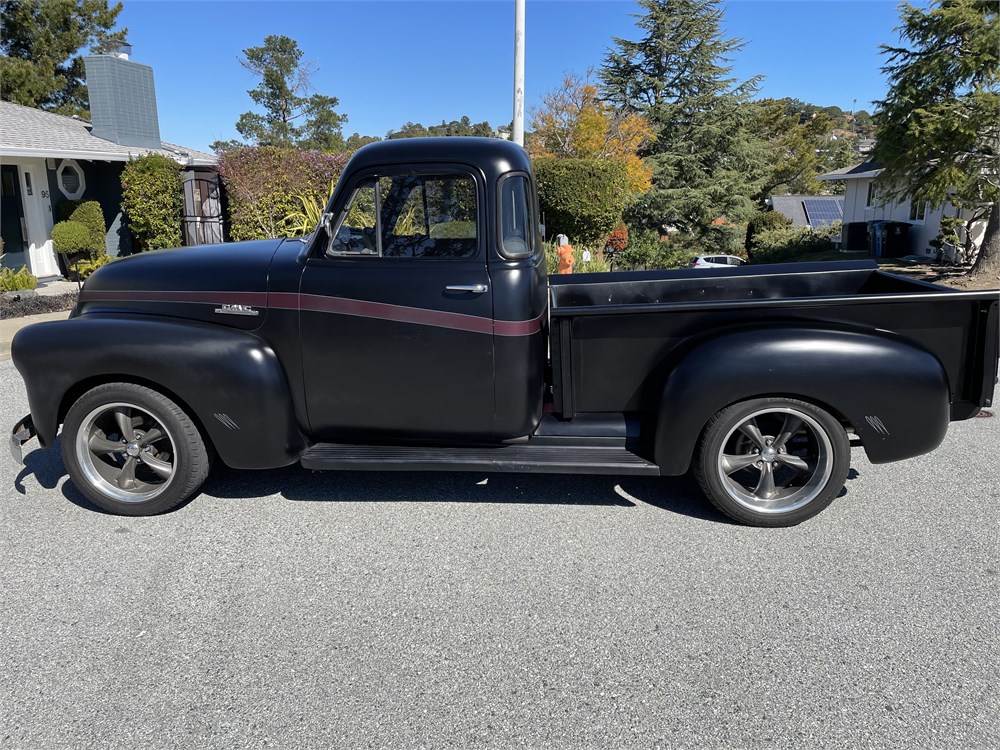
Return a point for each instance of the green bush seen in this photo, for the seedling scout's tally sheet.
(596, 264)
(152, 201)
(71, 237)
(645, 250)
(787, 243)
(16, 281)
(90, 215)
(764, 221)
(582, 198)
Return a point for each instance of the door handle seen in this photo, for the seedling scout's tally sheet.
(474, 288)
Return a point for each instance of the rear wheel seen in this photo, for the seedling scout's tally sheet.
(772, 461)
(132, 451)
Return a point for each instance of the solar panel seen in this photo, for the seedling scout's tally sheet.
(823, 211)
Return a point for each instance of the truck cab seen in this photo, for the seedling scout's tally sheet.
(424, 290)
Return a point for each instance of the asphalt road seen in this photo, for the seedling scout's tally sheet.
(295, 610)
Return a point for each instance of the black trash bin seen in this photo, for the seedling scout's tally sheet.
(897, 239)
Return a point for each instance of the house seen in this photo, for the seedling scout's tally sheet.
(909, 226)
(813, 211)
(46, 158)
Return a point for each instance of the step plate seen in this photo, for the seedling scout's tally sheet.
(528, 459)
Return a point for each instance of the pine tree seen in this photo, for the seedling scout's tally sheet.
(939, 126)
(40, 64)
(283, 94)
(707, 163)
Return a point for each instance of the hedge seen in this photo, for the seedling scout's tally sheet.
(153, 201)
(265, 185)
(582, 198)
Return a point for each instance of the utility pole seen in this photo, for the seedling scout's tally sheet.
(518, 133)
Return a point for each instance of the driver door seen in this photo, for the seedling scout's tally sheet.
(396, 312)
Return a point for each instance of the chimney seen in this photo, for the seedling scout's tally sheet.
(122, 98)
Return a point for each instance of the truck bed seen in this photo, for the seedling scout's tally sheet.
(615, 336)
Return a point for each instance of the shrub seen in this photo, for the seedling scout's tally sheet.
(646, 250)
(87, 267)
(71, 237)
(89, 214)
(16, 308)
(15, 281)
(786, 243)
(596, 264)
(152, 201)
(764, 221)
(583, 198)
(271, 190)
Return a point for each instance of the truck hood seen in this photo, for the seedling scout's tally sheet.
(223, 284)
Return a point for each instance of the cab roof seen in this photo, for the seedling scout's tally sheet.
(493, 155)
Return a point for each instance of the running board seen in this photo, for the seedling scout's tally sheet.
(528, 459)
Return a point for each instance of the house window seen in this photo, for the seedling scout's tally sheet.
(918, 211)
(872, 194)
(70, 180)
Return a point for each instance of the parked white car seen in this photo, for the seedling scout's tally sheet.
(717, 261)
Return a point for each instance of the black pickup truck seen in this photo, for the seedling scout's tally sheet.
(417, 329)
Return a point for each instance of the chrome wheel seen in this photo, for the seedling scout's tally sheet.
(775, 460)
(125, 452)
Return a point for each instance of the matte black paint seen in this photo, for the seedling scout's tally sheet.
(855, 375)
(664, 350)
(211, 370)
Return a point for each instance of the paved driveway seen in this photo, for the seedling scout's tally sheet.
(292, 610)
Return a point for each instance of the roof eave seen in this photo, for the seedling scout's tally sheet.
(83, 155)
(856, 176)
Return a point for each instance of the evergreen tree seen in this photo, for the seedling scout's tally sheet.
(707, 163)
(41, 65)
(938, 128)
(283, 93)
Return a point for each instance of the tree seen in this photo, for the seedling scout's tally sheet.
(357, 140)
(574, 123)
(41, 65)
(284, 94)
(707, 164)
(462, 127)
(795, 141)
(938, 129)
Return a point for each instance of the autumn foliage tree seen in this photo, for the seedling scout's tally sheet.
(574, 123)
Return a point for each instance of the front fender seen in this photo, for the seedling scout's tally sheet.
(230, 381)
(894, 393)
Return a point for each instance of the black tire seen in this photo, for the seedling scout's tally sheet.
(159, 465)
(772, 461)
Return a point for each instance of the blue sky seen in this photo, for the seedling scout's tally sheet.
(422, 61)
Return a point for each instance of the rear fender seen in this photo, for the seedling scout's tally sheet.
(230, 380)
(893, 393)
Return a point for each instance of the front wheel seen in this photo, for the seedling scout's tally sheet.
(772, 461)
(132, 451)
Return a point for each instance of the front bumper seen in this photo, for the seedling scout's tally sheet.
(23, 432)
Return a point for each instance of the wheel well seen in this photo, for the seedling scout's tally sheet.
(76, 391)
(835, 413)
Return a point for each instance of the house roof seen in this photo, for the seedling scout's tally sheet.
(862, 171)
(25, 131)
(809, 210)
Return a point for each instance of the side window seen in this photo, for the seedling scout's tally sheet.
(515, 238)
(428, 216)
(356, 234)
